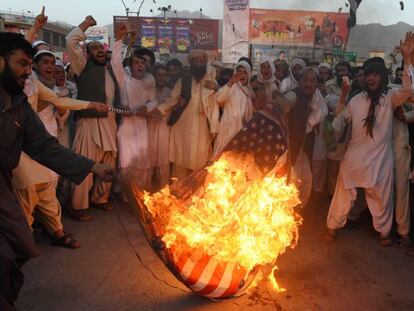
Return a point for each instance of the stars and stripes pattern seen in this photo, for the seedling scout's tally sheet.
(265, 136)
(209, 277)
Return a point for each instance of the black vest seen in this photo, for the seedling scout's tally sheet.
(91, 87)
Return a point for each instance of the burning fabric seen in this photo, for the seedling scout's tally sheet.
(216, 228)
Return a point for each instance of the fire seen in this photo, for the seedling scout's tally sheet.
(234, 217)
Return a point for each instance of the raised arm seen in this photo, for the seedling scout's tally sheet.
(346, 87)
(401, 95)
(76, 56)
(39, 23)
(116, 60)
(66, 103)
(225, 92)
(45, 149)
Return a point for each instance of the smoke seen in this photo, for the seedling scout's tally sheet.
(370, 11)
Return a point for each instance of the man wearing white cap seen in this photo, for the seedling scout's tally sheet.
(325, 74)
(36, 184)
(40, 45)
(95, 132)
(194, 119)
(297, 67)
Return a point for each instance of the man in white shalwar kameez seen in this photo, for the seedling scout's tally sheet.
(137, 92)
(368, 159)
(267, 77)
(236, 99)
(192, 135)
(296, 69)
(35, 184)
(95, 136)
(305, 109)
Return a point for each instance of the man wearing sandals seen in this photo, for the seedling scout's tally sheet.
(95, 136)
(21, 130)
(368, 159)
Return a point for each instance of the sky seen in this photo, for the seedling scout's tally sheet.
(73, 11)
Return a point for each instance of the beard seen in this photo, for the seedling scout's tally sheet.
(9, 81)
(98, 62)
(198, 72)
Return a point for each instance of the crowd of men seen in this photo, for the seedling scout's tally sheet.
(348, 131)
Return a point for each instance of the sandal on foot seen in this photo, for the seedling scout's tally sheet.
(65, 241)
(385, 241)
(104, 206)
(330, 235)
(79, 215)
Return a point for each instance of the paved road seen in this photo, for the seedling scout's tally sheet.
(105, 274)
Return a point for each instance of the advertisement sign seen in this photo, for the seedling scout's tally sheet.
(300, 28)
(148, 35)
(172, 35)
(235, 30)
(97, 34)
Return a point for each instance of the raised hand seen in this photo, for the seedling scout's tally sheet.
(346, 85)
(90, 21)
(235, 78)
(121, 32)
(407, 47)
(40, 20)
(87, 22)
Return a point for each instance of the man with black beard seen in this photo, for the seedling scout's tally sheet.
(194, 119)
(21, 130)
(95, 135)
(368, 160)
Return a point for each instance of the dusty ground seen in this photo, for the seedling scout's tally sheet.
(116, 270)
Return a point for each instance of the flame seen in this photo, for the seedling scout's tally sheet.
(235, 216)
(273, 281)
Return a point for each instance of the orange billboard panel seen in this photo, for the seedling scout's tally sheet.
(304, 28)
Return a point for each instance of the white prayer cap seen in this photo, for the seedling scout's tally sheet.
(197, 53)
(37, 43)
(41, 52)
(325, 65)
(58, 62)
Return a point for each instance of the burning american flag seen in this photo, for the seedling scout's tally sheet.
(219, 226)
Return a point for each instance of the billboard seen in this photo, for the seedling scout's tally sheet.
(172, 35)
(300, 28)
(97, 34)
(235, 30)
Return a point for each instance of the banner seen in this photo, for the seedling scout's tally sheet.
(172, 35)
(300, 28)
(235, 30)
(97, 34)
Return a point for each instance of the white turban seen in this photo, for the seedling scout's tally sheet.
(197, 53)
